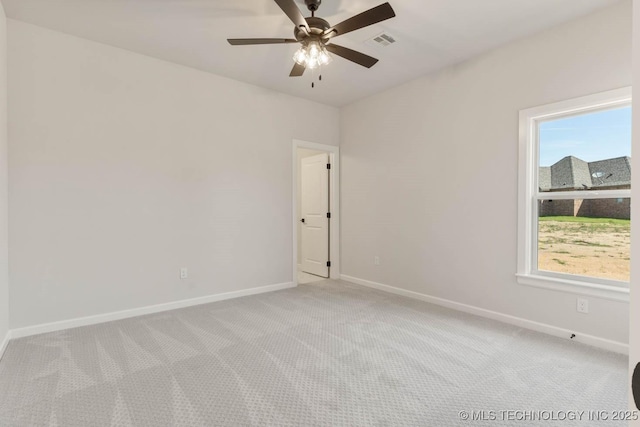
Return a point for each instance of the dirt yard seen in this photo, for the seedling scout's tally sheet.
(585, 246)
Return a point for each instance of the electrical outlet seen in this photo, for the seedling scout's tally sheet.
(582, 305)
(376, 260)
(184, 273)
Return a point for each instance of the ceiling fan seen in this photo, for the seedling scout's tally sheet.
(315, 35)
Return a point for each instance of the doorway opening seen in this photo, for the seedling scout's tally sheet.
(315, 212)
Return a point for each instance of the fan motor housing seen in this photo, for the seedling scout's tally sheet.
(317, 26)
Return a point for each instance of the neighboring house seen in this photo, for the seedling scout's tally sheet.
(572, 173)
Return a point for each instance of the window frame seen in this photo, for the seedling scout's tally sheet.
(529, 195)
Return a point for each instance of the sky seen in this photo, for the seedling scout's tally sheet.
(593, 136)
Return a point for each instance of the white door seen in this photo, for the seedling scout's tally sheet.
(314, 208)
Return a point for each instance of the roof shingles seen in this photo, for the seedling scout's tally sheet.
(572, 173)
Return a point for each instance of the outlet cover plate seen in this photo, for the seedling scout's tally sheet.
(582, 305)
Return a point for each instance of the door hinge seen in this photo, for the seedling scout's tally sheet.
(328, 263)
(329, 215)
(328, 165)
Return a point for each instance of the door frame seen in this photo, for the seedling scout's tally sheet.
(634, 284)
(334, 204)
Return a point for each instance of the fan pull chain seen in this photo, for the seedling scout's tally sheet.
(319, 76)
(313, 85)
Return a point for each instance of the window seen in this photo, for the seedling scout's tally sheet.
(575, 195)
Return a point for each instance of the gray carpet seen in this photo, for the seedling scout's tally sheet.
(328, 353)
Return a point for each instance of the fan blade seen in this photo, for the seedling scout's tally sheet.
(297, 70)
(240, 42)
(293, 12)
(370, 17)
(352, 55)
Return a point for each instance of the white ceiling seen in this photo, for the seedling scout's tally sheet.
(430, 34)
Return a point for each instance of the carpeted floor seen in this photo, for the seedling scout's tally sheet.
(328, 353)
(306, 278)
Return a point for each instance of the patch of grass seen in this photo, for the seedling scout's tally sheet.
(596, 247)
(586, 220)
(553, 239)
(585, 243)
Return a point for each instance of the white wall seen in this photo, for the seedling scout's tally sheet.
(634, 321)
(124, 168)
(302, 153)
(429, 176)
(4, 279)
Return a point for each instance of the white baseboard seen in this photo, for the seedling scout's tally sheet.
(603, 343)
(124, 314)
(4, 343)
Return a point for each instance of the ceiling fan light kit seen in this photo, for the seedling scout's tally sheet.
(312, 55)
(315, 36)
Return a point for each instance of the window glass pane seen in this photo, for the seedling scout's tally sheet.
(589, 237)
(586, 152)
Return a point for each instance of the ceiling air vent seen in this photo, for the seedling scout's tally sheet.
(383, 40)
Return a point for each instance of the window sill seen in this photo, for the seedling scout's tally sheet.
(613, 293)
